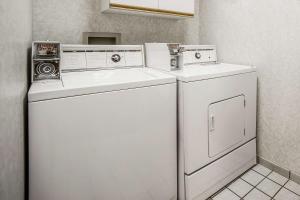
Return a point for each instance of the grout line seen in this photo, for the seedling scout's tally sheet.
(276, 182)
(280, 189)
(218, 192)
(265, 192)
(248, 192)
(261, 173)
(290, 189)
(226, 187)
(258, 182)
(234, 193)
(233, 181)
(240, 177)
(267, 176)
(255, 187)
(260, 189)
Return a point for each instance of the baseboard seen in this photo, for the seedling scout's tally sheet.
(295, 177)
(280, 170)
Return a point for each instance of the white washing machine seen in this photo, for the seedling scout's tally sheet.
(106, 130)
(217, 118)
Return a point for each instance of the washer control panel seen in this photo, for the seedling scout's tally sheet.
(97, 57)
(45, 60)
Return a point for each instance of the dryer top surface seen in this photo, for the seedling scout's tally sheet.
(197, 72)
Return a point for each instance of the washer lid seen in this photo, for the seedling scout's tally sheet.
(89, 82)
(201, 72)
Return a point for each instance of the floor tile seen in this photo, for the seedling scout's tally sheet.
(261, 169)
(240, 187)
(291, 185)
(285, 194)
(252, 177)
(260, 183)
(278, 178)
(256, 195)
(226, 195)
(269, 187)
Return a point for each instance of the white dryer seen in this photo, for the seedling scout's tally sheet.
(217, 118)
(106, 130)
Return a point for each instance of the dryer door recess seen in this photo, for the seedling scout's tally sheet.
(226, 124)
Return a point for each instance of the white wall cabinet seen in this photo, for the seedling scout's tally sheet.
(163, 8)
(137, 3)
(183, 6)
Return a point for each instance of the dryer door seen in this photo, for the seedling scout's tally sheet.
(226, 124)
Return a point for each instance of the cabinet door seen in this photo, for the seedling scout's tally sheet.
(137, 3)
(186, 6)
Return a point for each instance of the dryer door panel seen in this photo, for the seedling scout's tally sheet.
(195, 100)
(226, 124)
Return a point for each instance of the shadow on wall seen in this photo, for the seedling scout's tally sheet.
(26, 135)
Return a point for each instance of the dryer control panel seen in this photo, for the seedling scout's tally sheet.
(195, 54)
(162, 55)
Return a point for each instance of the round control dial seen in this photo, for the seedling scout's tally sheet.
(198, 55)
(116, 58)
(45, 69)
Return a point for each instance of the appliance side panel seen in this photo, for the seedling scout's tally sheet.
(251, 105)
(180, 111)
(157, 56)
(114, 145)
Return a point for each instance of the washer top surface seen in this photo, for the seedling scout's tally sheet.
(89, 82)
(197, 72)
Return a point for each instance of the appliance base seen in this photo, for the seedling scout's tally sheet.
(205, 182)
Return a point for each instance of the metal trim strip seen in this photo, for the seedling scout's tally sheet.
(150, 10)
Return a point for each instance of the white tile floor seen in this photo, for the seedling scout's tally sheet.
(259, 183)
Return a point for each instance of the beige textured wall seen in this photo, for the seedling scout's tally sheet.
(264, 33)
(15, 38)
(65, 20)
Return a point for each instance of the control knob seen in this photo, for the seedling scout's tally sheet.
(198, 55)
(116, 58)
